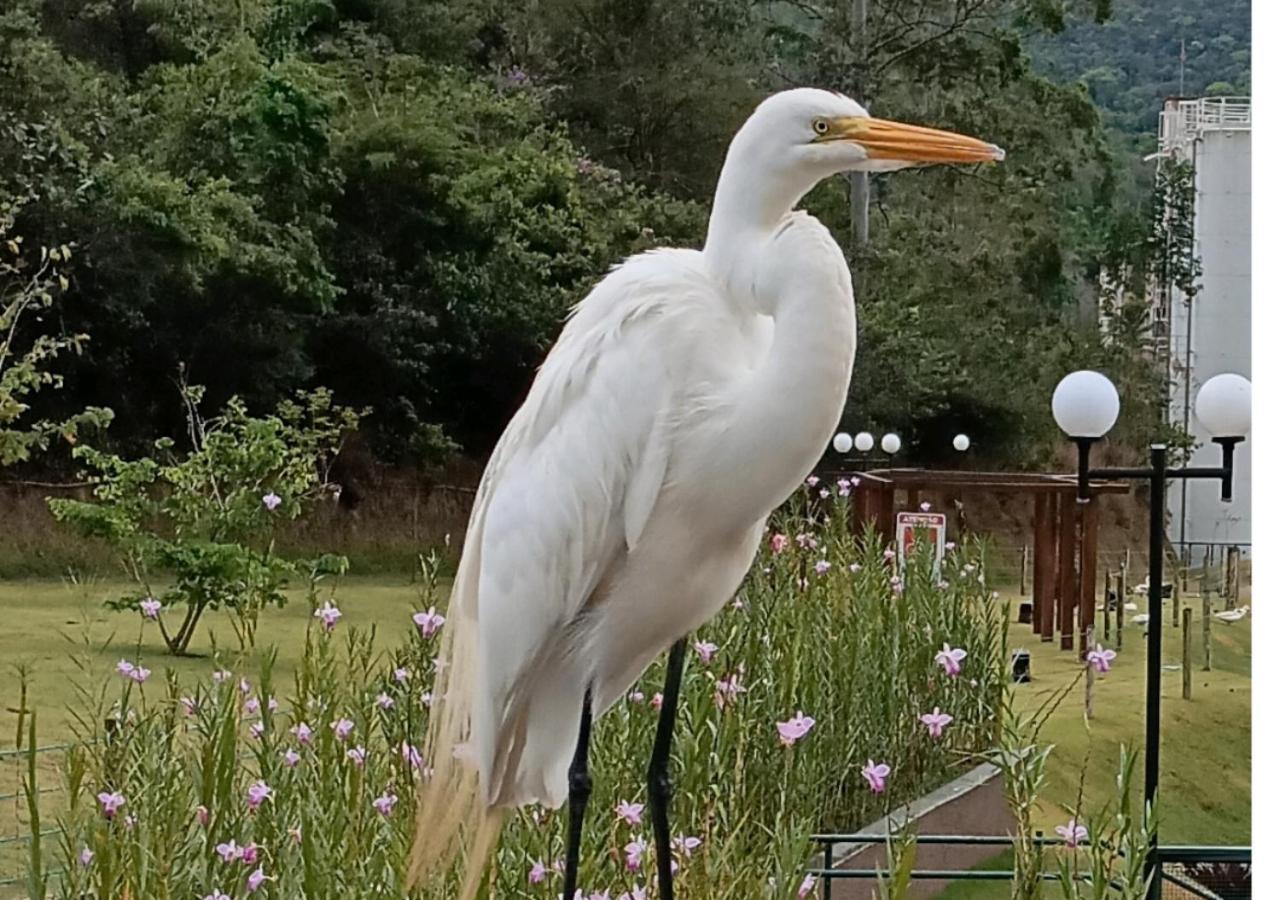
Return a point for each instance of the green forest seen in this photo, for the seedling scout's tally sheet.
(400, 200)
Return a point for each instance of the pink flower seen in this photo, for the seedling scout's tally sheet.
(738, 604)
(685, 845)
(876, 773)
(812, 481)
(426, 698)
(357, 755)
(342, 728)
(1073, 833)
(635, 854)
(889, 554)
(807, 886)
(220, 676)
(795, 728)
(636, 893)
(779, 542)
(256, 878)
(385, 804)
(202, 815)
(822, 567)
(259, 792)
(400, 675)
(935, 722)
(251, 706)
(409, 753)
(271, 501)
(129, 822)
(429, 622)
(229, 851)
(384, 701)
(86, 857)
(217, 895)
(629, 812)
(950, 659)
(949, 545)
(111, 802)
(150, 608)
(1100, 659)
(189, 706)
(140, 674)
(256, 729)
(926, 506)
(727, 690)
(807, 541)
(250, 855)
(843, 486)
(656, 702)
(291, 757)
(705, 650)
(301, 731)
(329, 615)
(125, 668)
(855, 567)
(245, 687)
(824, 494)
(637, 697)
(537, 872)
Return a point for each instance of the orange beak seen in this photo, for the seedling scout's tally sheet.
(899, 142)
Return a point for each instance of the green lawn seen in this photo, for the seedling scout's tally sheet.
(1206, 750)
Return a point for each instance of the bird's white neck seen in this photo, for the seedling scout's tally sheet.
(752, 198)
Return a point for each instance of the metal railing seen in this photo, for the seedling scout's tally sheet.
(1185, 871)
(1183, 121)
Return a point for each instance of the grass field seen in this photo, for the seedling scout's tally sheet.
(1206, 748)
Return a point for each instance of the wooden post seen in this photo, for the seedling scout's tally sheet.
(1184, 560)
(1066, 571)
(1089, 676)
(1046, 561)
(1122, 594)
(1206, 611)
(1088, 595)
(884, 515)
(1106, 605)
(1176, 599)
(1233, 577)
(1022, 573)
(1186, 653)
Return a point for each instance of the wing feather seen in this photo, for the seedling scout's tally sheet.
(575, 477)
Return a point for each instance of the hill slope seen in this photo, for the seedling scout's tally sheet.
(1131, 62)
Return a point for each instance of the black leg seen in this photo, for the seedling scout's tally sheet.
(659, 778)
(579, 791)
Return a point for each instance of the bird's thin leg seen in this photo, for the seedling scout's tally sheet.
(659, 777)
(579, 791)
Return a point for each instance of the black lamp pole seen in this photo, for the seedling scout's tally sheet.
(1157, 476)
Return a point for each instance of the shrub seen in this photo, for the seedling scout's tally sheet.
(206, 518)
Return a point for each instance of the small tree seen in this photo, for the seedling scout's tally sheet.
(207, 518)
(29, 283)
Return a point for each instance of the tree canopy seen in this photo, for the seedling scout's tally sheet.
(401, 200)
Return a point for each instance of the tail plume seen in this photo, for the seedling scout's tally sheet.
(455, 819)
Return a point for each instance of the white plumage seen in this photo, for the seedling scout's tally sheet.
(687, 396)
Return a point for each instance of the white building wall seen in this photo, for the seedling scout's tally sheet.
(1219, 321)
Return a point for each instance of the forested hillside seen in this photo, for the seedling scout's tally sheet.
(1131, 61)
(402, 200)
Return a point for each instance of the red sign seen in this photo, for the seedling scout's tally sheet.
(922, 526)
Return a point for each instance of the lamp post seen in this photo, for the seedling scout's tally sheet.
(1085, 406)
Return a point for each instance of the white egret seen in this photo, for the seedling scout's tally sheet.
(685, 399)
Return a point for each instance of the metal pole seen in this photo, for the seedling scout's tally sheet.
(859, 185)
(1155, 581)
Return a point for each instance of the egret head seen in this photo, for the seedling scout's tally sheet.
(821, 133)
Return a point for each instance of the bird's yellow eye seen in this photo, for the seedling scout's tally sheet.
(821, 127)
